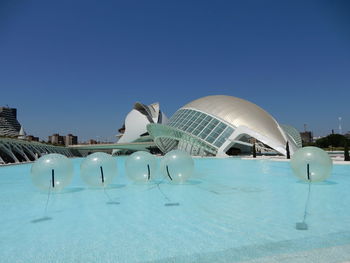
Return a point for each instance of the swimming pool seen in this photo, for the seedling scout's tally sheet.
(231, 210)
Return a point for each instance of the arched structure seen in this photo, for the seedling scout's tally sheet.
(211, 125)
(16, 151)
(134, 128)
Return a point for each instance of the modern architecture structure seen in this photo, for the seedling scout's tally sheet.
(9, 125)
(16, 151)
(135, 125)
(22, 134)
(213, 125)
(112, 148)
(293, 135)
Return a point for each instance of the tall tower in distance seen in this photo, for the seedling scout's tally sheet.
(340, 129)
(9, 125)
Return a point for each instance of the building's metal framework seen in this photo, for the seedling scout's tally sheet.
(210, 126)
(17, 151)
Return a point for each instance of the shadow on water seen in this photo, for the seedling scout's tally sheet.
(171, 204)
(223, 190)
(112, 203)
(248, 189)
(72, 190)
(188, 182)
(42, 219)
(191, 182)
(110, 186)
(115, 186)
(319, 183)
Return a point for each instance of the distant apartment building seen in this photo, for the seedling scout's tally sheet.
(56, 139)
(32, 138)
(306, 137)
(9, 125)
(92, 141)
(69, 139)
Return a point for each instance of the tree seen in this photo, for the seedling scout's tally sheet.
(287, 150)
(346, 152)
(336, 140)
(254, 151)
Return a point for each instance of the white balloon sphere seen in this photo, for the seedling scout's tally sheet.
(52, 172)
(311, 164)
(177, 166)
(98, 169)
(140, 166)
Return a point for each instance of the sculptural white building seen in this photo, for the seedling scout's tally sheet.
(135, 125)
(212, 125)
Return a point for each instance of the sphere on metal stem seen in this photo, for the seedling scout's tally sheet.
(177, 166)
(98, 169)
(52, 172)
(311, 164)
(140, 166)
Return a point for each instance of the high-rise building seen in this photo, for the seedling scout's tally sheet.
(70, 139)
(56, 139)
(92, 141)
(9, 125)
(32, 138)
(306, 136)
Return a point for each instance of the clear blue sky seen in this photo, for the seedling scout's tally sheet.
(78, 66)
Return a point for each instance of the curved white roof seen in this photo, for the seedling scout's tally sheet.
(239, 112)
(137, 119)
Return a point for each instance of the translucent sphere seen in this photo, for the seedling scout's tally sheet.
(311, 164)
(98, 169)
(52, 172)
(140, 166)
(177, 166)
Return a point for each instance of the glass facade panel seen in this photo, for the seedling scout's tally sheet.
(211, 138)
(197, 130)
(201, 125)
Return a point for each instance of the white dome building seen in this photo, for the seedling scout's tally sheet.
(134, 128)
(212, 125)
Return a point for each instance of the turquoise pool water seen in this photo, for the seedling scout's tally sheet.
(232, 210)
